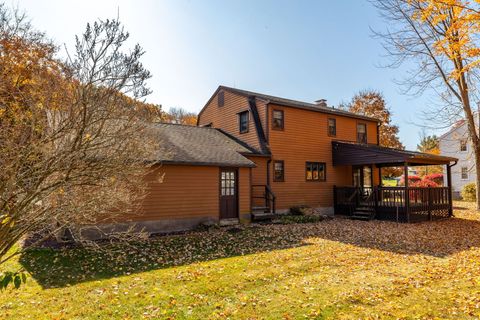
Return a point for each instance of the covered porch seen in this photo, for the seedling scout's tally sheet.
(364, 200)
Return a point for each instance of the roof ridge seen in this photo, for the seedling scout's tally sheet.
(296, 103)
(182, 125)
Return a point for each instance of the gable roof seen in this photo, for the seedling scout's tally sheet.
(454, 127)
(352, 153)
(289, 103)
(182, 144)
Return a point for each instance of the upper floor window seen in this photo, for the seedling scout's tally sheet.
(463, 145)
(221, 98)
(361, 133)
(243, 121)
(464, 173)
(315, 171)
(332, 127)
(279, 170)
(278, 120)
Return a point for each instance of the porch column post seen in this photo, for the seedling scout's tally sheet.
(449, 185)
(379, 176)
(407, 194)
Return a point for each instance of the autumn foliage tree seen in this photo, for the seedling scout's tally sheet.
(429, 144)
(181, 116)
(74, 136)
(441, 38)
(372, 104)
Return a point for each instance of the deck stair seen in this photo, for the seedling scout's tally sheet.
(263, 200)
(363, 212)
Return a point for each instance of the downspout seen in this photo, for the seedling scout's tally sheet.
(378, 133)
(267, 129)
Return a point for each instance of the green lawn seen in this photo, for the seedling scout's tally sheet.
(330, 269)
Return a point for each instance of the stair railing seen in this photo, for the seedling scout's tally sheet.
(267, 196)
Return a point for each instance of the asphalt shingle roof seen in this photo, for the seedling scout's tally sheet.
(183, 144)
(298, 104)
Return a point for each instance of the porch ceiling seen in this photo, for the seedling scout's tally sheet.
(351, 153)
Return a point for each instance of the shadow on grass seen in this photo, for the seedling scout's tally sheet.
(59, 268)
(53, 268)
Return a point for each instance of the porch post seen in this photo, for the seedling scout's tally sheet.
(380, 183)
(449, 185)
(407, 194)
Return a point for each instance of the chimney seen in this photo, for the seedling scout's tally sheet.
(321, 103)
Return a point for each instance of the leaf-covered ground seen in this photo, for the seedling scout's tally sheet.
(329, 269)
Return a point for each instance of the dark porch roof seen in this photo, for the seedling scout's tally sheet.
(351, 153)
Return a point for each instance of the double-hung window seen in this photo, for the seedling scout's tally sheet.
(279, 170)
(243, 122)
(278, 119)
(361, 133)
(315, 171)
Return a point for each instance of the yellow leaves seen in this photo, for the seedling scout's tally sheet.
(6, 220)
(455, 26)
(87, 137)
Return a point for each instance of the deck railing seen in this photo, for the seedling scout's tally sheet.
(396, 203)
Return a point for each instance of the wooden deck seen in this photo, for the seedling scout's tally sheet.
(402, 204)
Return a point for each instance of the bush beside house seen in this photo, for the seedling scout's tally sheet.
(469, 192)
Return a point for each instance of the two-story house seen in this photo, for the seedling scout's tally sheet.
(252, 155)
(293, 141)
(455, 143)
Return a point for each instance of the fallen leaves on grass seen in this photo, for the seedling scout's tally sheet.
(335, 268)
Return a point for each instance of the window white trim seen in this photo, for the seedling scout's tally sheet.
(462, 173)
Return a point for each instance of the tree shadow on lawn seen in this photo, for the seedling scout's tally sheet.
(58, 268)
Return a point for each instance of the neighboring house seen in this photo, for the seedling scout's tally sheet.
(456, 143)
(253, 155)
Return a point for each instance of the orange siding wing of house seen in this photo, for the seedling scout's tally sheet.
(186, 192)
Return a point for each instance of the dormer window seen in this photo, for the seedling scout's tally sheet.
(243, 122)
(277, 121)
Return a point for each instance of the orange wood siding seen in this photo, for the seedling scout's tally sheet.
(244, 190)
(183, 192)
(226, 117)
(303, 139)
(259, 173)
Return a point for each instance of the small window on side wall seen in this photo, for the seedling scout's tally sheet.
(463, 145)
(221, 98)
(279, 170)
(278, 120)
(464, 173)
(332, 127)
(361, 133)
(243, 121)
(315, 171)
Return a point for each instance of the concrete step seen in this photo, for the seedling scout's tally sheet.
(260, 209)
(360, 217)
(229, 222)
(366, 209)
(262, 216)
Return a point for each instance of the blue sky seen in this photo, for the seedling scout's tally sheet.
(302, 50)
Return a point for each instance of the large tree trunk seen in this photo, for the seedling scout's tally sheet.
(477, 171)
